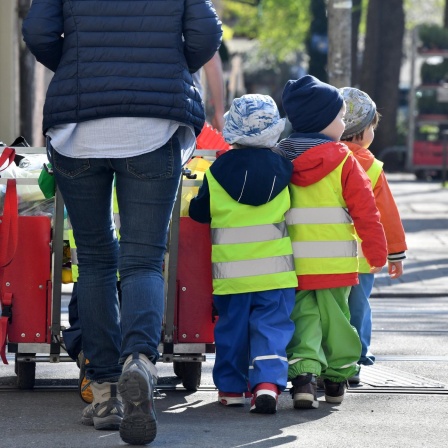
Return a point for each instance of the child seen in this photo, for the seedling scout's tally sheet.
(330, 195)
(245, 197)
(361, 119)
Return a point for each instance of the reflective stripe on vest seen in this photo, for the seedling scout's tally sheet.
(324, 249)
(373, 173)
(256, 255)
(247, 268)
(336, 215)
(321, 229)
(251, 234)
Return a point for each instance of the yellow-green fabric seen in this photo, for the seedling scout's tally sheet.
(321, 229)
(73, 252)
(251, 250)
(373, 173)
(324, 342)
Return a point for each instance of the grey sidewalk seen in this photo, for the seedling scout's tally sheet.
(424, 211)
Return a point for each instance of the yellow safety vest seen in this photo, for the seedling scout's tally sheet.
(321, 229)
(251, 249)
(374, 173)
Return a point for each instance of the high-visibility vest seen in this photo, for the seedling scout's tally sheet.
(321, 229)
(72, 242)
(251, 249)
(373, 173)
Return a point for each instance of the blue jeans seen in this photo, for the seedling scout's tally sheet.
(361, 315)
(146, 188)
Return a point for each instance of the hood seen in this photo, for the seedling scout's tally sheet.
(362, 155)
(314, 164)
(252, 176)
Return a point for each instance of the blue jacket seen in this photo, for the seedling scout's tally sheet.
(252, 176)
(119, 58)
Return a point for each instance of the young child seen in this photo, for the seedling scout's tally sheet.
(244, 197)
(361, 119)
(330, 196)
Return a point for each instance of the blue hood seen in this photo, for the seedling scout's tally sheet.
(252, 176)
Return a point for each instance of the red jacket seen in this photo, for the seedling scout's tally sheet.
(312, 166)
(385, 202)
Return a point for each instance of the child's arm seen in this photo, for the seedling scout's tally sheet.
(390, 216)
(358, 195)
(199, 209)
(393, 227)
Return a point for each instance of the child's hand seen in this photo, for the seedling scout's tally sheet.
(395, 269)
(375, 270)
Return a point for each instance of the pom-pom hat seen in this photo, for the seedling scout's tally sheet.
(311, 105)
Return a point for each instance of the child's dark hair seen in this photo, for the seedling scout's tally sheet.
(360, 135)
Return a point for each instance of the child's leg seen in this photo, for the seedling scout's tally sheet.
(270, 331)
(305, 354)
(232, 342)
(340, 341)
(361, 315)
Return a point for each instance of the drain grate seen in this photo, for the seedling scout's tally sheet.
(380, 377)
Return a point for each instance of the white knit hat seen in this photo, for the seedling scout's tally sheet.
(253, 120)
(360, 111)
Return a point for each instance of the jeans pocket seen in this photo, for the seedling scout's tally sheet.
(159, 164)
(69, 166)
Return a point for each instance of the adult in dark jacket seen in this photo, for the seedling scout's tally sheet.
(122, 104)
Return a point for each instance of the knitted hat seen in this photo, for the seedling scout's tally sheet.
(360, 111)
(311, 105)
(253, 120)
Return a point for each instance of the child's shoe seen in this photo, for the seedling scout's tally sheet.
(264, 399)
(106, 409)
(320, 383)
(84, 389)
(355, 379)
(335, 392)
(304, 391)
(231, 398)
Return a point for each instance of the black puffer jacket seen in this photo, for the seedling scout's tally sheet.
(115, 58)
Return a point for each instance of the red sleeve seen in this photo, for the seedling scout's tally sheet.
(358, 195)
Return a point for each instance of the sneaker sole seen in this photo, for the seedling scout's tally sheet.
(137, 427)
(232, 401)
(305, 401)
(264, 404)
(334, 400)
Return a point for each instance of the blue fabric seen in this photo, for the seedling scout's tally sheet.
(252, 176)
(311, 105)
(122, 58)
(361, 315)
(72, 335)
(250, 326)
(146, 188)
